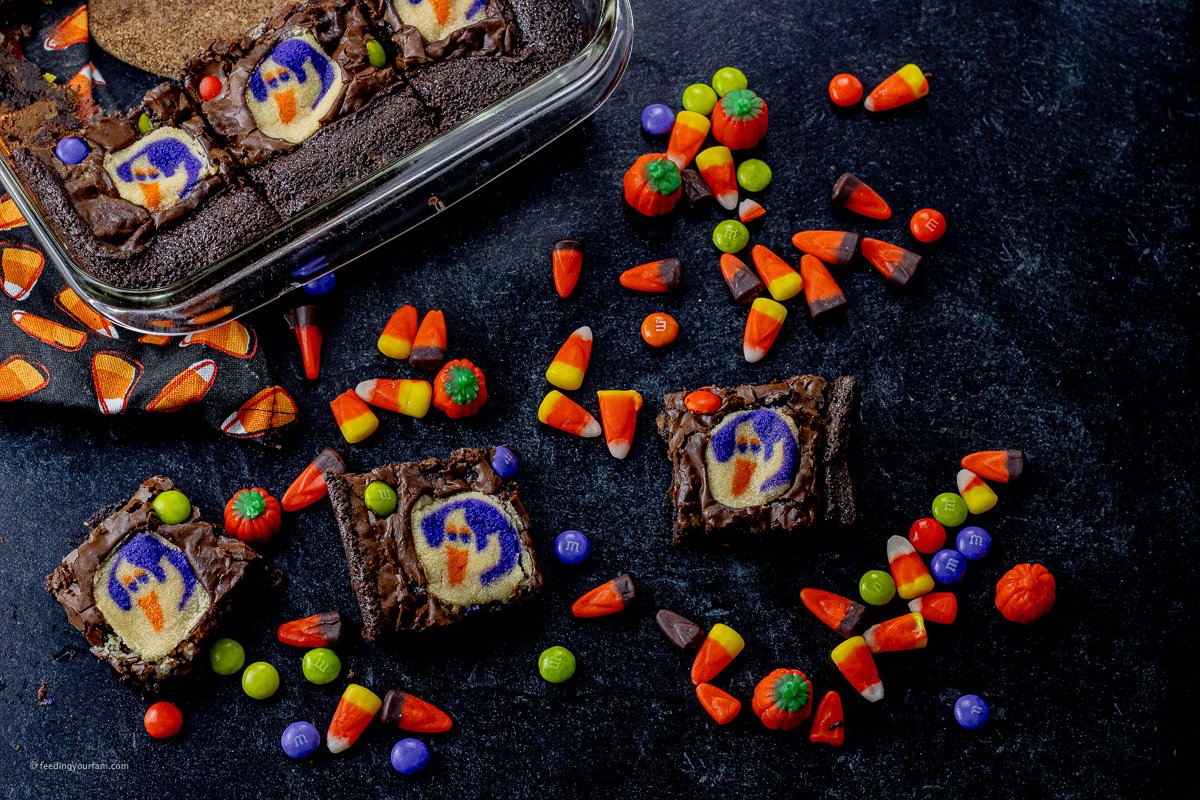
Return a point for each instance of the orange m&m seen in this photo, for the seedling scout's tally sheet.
(927, 225)
(845, 90)
(659, 329)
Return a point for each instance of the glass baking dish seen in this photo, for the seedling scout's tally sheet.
(392, 201)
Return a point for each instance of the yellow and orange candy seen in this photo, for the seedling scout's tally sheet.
(820, 289)
(903, 86)
(429, 345)
(607, 598)
(853, 659)
(905, 632)
(1002, 466)
(354, 419)
(718, 649)
(70, 304)
(908, 570)
(850, 193)
(10, 215)
(408, 397)
(559, 411)
(618, 412)
(355, 710)
(716, 167)
(832, 247)
(687, 137)
(567, 261)
(894, 263)
(762, 326)
(979, 495)
(781, 280)
(570, 364)
(396, 341)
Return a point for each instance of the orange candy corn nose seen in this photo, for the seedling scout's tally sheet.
(1002, 466)
(305, 322)
(853, 659)
(559, 411)
(413, 714)
(687, 137)
(618, 413)
(151, 609)
(285, 101)
(902, 633)
(820, 289)
(429, 346)
(310, 486)
(829, 726)
(608, 598)
(567, 261)
(939, 607)
(903, 86)
(894, 263)
(570, 364)
(720, 647)
(741, 281)
(908, 570)
(716, 168)
(396, 341)
(657, 276)
(353, 417)
(456, 564)
(762, 326)
(832, 247)
(844, 616)
(720, 705)
(355, 711)
(781, 280)
(850, 193)
(743, 471)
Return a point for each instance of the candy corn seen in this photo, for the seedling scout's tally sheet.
(354, 419)
(429, 345)
(319, 630)
(305, 321)
(781, 280)
(716, 167)
(850, 193)
(396, 341)
(897, 264)
(820, 289)
(844, 616)
(829, 725)
(270, 409)
(720, 647)
(657, 276)
(10, 215)
(413, 714)
(186, 388)
(567, 260)
(69, 302)
(853, 659)
(618, 413)
(49, 332)
(559, 411)
(567, 369)
(114, 375)
(906, 632)
(608, 598)
(939, 607)
(749, 209)
(979, 495)
(832, 247)
(355, 711)
(233, 338)
(309, 486)
(762, 326)
(720, 705)
(687, 137)
(743, 284)
(20, 268)
(903, 86)
(409, 397)
(20, 376)
(1002, 466)
(908, 570)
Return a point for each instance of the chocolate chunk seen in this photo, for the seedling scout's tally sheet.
(679, 630)
(695, 190)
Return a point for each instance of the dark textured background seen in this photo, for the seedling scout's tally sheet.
(1059, 316)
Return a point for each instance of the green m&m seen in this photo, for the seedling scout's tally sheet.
(699, 98)
(375, 54)
(729, 79)
(321, 665)
(753, 175)
(556, 664)
(172, 507)
(260, 680)
(380, 498)
(950, 509)
(144, 123)
(226, 656)
(730, 236)
(877, 587)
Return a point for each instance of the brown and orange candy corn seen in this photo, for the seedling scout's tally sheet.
(305, 321)
(844, 616)
(1002, 466)
(656, 276)
(850, 193)
(832, 247)
(894, 263)
(567, 260)
(310, 486)
(741, 281)
(608, 598)
(429, 345)
(319, 630)
(413, 714)
(820, 289)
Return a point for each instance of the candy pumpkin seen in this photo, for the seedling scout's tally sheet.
(459, 389)
(653, 185)
(1026, 593)
(253, 516)
(783, 699)
(739, 120)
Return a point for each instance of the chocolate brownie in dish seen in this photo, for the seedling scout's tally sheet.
(770, 459)
(146, 595)
(457, 542)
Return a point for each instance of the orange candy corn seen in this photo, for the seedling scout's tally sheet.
(408, 397)
(233, 338)
(832, 247)
(559, 411)
(850, 193)
(908, 570)
(939, 607)
(429, 345)
(687, 137)
(716, 167)
(570, 364)
(906, 632)
(720, 647)
(618, 412)
(844, 616)
(304, 321)
(10, 215)
(829, 726)
(413, 714)
(977, 494)
(1002, 466)
(853, 659)
(319, 630)
(49, 332)
(743, 284)
(781, 280)
(70, 303)
(720, 705)
(310, 486)
(749, 209)
(567, 261)
(396, 341)
(21, 376)
(270, 409)
(186, 388)
(657, 276)
(353, 417)
(820, 289)
(20, 268)
(762, 326)
(114, 375)
(355, 711)
(608, 598)
(895, 263)
(903, 86)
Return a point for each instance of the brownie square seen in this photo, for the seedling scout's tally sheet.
(147, 595)
(773, 458)
(458, 542)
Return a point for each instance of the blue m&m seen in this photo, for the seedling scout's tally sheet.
(71, 150)
(972, 712)
(948, 566)
(505, 463)
(300, 739)
(410, 756)
(973, 542)
(657, 120)
(572, 547)
(322, 285)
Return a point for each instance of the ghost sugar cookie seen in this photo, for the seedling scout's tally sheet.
(150, 583)
(431, 30)
(429, 543)
(753, 460)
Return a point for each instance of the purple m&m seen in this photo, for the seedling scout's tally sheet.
(410, 756)
(972, 712)
(71, 150)
(572, 547)
(948, 566)
(657, 120)
(973, 542)
(300, 739)
(505, 463)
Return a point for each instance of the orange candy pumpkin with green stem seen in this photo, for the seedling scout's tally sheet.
(783, 699)
(253, 516)
(1026, 593)
(739, 120)
(653, 185)
(459, 389)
